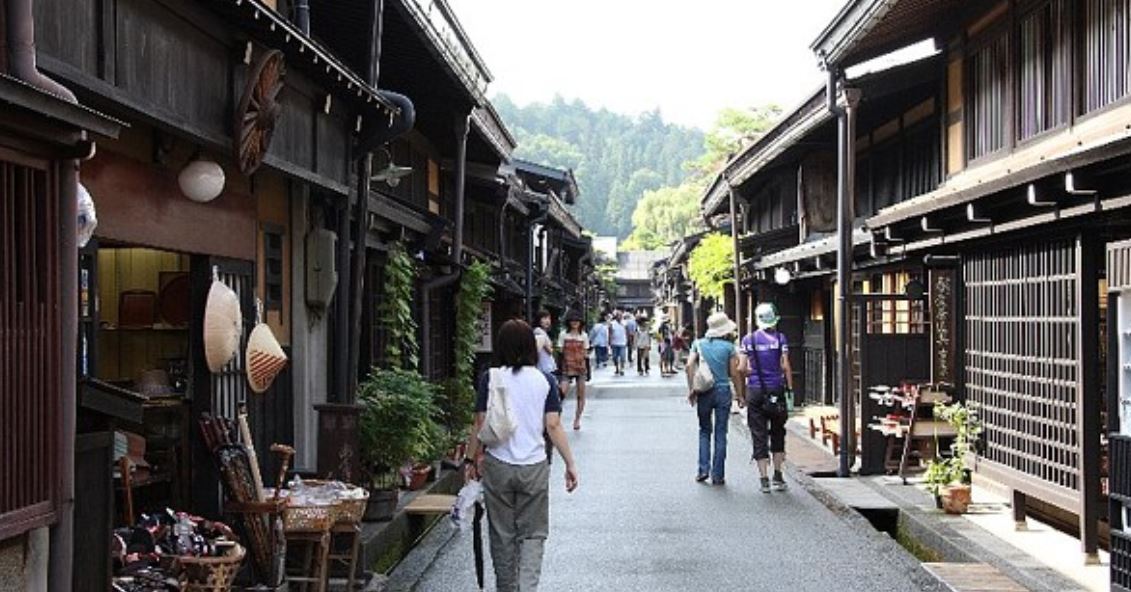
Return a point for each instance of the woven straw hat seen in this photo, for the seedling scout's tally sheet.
(265, 358)
(223, 326)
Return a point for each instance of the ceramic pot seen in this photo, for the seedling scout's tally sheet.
(956, 499)
(382, 505)
(419, 477)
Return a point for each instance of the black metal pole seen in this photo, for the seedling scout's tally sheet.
(846, 146)
(738, 316)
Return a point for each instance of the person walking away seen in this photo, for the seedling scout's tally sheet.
(599, 338)
(667, 355)
(717, 350)
(574, 343)
(770, 375)
(515, 473)
(643, 344)
(630, 327)
(618, 339)
(545, 345)
(680, 345)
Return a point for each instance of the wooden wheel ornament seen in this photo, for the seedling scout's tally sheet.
(259, 110)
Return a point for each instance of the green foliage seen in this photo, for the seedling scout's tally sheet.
(711, 265)
(967, 427)
(734, 129)
(398, 421)
(458, 393)
(394, 312)
(616, 158)
(665, 215)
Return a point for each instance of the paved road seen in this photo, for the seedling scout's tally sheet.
(639, 521)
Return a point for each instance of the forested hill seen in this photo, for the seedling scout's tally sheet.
(615, 157)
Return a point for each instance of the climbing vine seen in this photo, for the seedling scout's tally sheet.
(394, 312)
(459, 392)
(711, 265)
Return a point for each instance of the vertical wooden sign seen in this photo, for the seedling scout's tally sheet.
(942, 303)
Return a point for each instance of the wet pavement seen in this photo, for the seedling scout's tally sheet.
(639, 521)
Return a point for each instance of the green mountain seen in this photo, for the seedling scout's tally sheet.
(615, 157)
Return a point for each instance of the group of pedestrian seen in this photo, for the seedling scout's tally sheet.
(757, 374)
(514, 472)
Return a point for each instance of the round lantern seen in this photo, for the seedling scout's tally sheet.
(201, 180)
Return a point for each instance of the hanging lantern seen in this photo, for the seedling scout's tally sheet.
(87, 218)
(201, 180)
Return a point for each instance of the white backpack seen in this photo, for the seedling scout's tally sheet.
(499, 425)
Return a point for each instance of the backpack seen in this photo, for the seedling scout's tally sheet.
(499, 424)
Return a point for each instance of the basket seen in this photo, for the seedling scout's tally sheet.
(346, 511)
(211, 574)
(308, 518)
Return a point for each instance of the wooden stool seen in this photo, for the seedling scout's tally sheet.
(348, 559)
(315, 564)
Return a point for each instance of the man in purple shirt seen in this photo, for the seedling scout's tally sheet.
(770, 375)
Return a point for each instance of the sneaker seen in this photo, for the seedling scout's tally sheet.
(718, 481)
(779, 482)
(701, 478)
(765, 485)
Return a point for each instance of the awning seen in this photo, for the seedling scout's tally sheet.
(811, 250)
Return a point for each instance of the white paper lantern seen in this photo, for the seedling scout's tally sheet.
(201, 180)
(87, 217)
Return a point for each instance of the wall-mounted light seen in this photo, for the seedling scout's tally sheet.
(782, 276)
(389, 172)
(201, 180)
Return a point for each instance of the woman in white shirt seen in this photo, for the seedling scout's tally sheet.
(516, 473)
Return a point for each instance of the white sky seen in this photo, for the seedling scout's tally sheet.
(689, 58)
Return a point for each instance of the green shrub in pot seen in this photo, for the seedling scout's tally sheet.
(398, 422)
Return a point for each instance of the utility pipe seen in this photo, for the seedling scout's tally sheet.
(539, 218)
(462, 125)
(739, 318)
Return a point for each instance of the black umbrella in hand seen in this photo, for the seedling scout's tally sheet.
(477, 543)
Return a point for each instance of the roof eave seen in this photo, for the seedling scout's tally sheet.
(849, 25)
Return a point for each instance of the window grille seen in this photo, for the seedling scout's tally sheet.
(895, 315)
(273, 268)
(1021, 357)
(1045, 93)
(1107, 52)
(29, 346)
(989, 73)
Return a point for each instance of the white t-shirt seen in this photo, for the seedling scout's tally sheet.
(532, 394)
(618, 335)
(546, 361)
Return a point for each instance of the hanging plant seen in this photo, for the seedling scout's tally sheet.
(459, 392)
(394, 312)
(711, 265)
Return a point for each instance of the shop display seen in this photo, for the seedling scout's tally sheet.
(223, 325)
(171, 551)
(265, 358)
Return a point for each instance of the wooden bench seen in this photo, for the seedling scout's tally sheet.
(831, 432)
(430, 504)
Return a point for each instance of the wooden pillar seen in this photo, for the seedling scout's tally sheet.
(1088, 397)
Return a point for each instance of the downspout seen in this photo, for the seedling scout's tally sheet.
(846, 179)
(302, 16)
(537, 219)
(462, 125)
(20, 50)
(739, 318)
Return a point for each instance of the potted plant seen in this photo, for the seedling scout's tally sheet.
(948, 479)
(396, 425)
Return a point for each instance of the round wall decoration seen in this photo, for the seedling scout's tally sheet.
(258, 110)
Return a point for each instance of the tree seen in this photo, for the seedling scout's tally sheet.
(711, 265)
(665, 215)
(734, 129)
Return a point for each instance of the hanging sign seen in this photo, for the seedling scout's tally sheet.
(483, 328)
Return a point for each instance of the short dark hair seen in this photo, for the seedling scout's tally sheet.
(514, 345)
(542, 314)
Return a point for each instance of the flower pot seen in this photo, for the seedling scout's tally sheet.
(418, 478)
(382, 505)
(956, 499)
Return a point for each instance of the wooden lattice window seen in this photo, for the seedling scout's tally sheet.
(29, 344)
(894, 315)
(1021, 357)
(1107, 52)
(1045, 76)
(988, 97)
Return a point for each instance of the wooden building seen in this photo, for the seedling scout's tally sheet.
(990, 172)
(44, 134)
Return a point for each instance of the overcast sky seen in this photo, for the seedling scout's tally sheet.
(689, 58)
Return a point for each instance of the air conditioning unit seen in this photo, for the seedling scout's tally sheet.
(321, 268)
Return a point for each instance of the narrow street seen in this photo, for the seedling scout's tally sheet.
(639, 521)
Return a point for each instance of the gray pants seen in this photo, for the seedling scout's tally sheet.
(518, 513)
